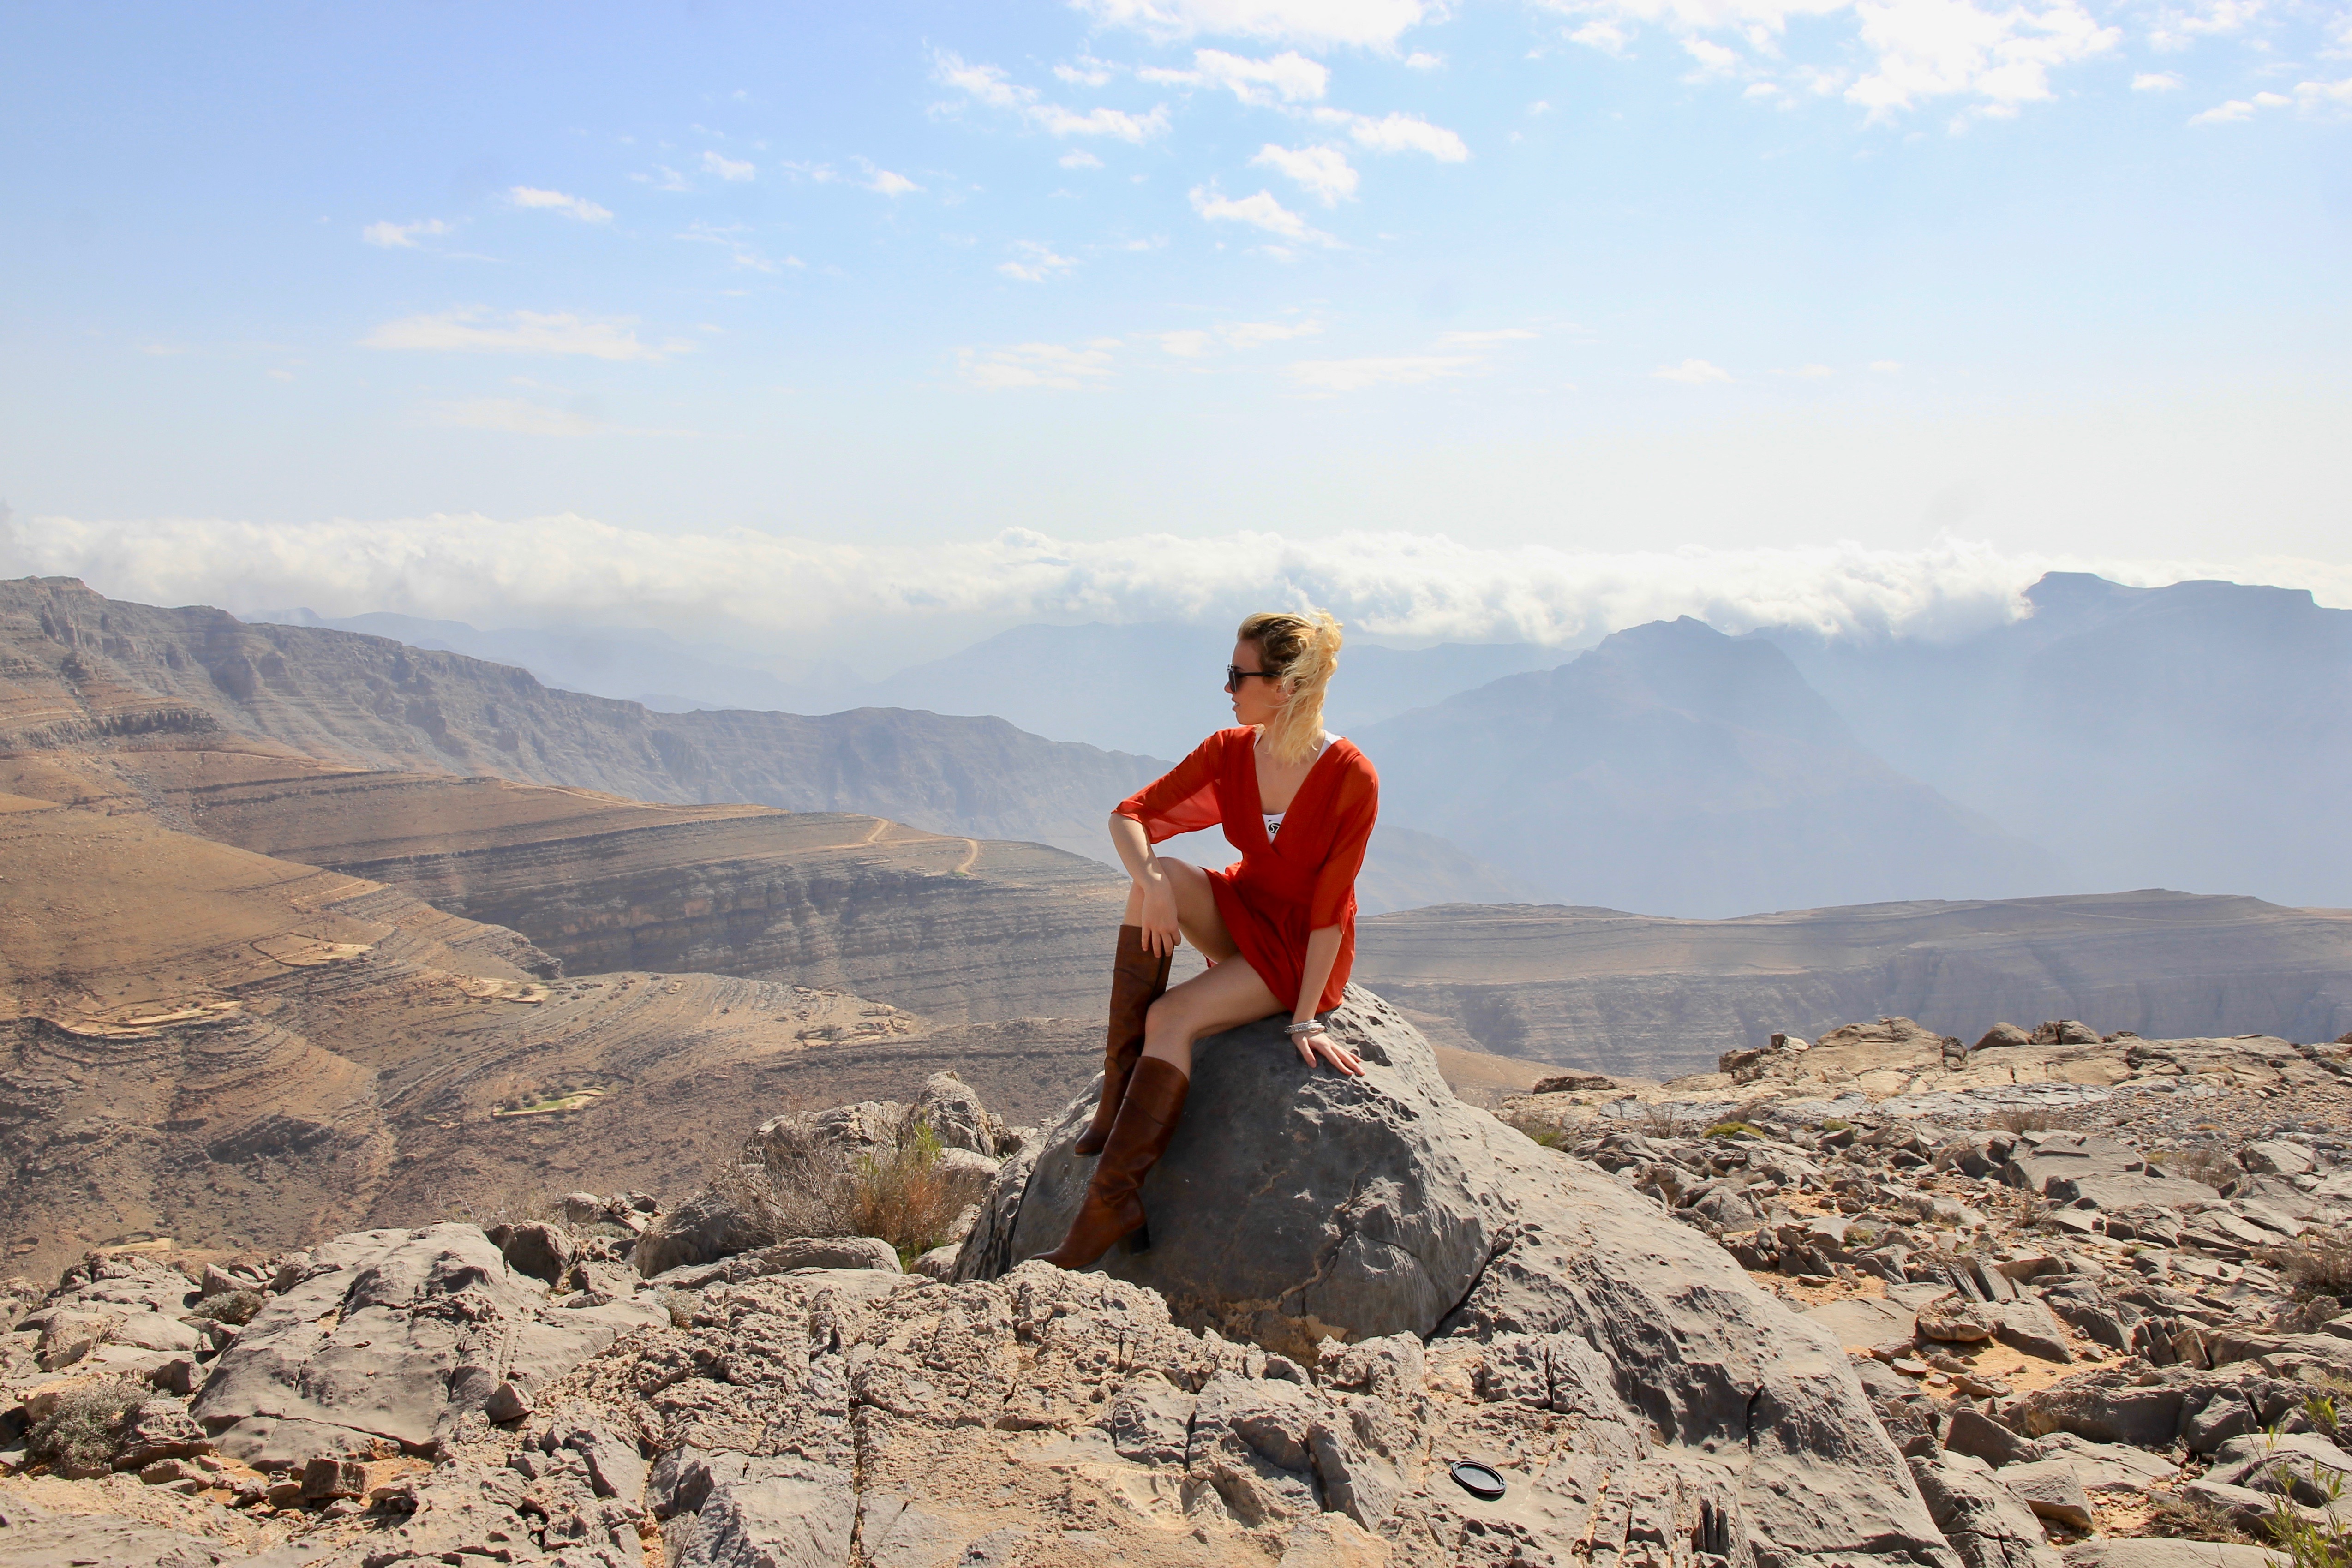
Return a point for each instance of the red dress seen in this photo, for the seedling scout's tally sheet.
(1301, 880)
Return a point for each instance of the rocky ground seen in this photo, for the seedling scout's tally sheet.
(2086, 1290)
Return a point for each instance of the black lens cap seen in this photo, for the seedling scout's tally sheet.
(1477, 1481)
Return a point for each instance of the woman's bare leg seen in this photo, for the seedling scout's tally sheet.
(1222, 998)
(1196, 911)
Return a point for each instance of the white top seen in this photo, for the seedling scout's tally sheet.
(1273, 818)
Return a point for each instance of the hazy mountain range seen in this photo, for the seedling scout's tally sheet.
(2190, 736)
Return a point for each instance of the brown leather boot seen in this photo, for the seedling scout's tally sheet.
(1147, 1120)
(1137, 979)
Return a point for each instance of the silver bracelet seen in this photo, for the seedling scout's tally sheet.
(1312, 1026)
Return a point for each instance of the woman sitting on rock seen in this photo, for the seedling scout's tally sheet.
(1298, 804)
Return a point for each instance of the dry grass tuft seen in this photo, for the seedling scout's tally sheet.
(904, 1193)
(2177, 1518)
(2023, 1120)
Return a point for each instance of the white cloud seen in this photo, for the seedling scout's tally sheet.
(732, 237)
(1036, 262)
(573, 570)
(2156, 81)
(1080, 158)
(524, 332)
(1423, 60)
(1397, 370)
(1605, 33)
(1714, 59)
(671, 180)
(728, 168)
(1237, 336)
(2177, 29)
(580, 207)
(888, 183)
(1287, 78)
(989, 86)
(1087, 72)
(1692, 371)
(1063, 366)
(1261, 210)
(1323, 172)
(1934, 48)
(2240, 108)
(1374, 24)
(1398, 133)
(402, 236)
(821, 174)
(2315, 96)
(1497, 335)
(515, 416)
(1917, 50)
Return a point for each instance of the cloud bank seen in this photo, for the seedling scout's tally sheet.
(781, 594)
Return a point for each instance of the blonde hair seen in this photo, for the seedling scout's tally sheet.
(1300, 652)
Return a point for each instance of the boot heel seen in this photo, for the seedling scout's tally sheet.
(1139, 1239)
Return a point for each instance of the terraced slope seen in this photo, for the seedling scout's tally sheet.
(233, 1050)
(957, 929)
(1605, 990)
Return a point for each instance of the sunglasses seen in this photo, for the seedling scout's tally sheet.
(1235, 674)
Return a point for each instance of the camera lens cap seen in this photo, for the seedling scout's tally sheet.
(1477, 1481)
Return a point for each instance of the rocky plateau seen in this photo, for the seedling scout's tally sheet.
(1859, 1301)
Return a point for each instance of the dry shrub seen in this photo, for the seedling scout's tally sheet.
(795, 1185)
(1544, 1134)
(909, 1197)
(1662, 1121)
(79, 1435)
(2178, 1517)
(2210, 1166)
(2023, 1120)
(2318, 1263)
(237, 1307)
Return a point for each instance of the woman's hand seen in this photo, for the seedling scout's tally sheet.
(1318, 1044)
(1160, 932)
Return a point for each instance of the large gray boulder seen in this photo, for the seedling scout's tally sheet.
(388, 1339)
(1296, 1205)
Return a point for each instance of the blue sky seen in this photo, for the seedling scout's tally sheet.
(468, 309)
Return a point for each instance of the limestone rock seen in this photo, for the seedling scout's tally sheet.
(1954, 1321)
(1986, 1525)
(2275, 1157)
(2003, 1037)
(957, 1118)
(2052, 1489)
(545, 1252)
(393, 1334)
(1294, 1206)
(2154, 1552)
(31, 1538)
(829, 1252)
(703, 1229)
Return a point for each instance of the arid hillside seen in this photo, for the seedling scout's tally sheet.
(957, 929)
(1609, 992)
(76, 667)
(239, 1052)
(236, 1051)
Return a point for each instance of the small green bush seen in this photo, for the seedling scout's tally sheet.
(1737, 1129)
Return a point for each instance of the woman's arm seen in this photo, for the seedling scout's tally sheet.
(1159, 930)
(1322, 952)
